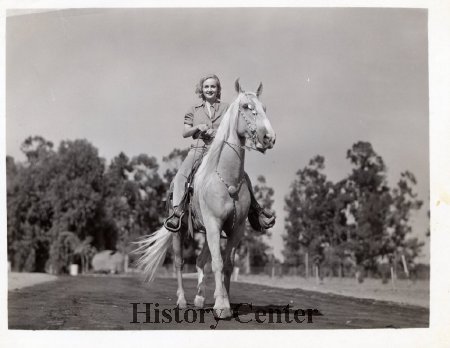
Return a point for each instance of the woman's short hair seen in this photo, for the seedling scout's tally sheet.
(199, 87)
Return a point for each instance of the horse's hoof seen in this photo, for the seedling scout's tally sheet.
(199, 301)
(222, 313)
(182, 304)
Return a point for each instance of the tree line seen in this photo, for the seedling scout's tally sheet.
(358, 221)
(64, 204)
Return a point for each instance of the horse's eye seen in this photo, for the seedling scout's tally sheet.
(245, 106)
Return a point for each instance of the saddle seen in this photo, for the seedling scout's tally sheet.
(258, 217)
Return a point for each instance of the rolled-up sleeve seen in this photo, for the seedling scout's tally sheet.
(189, 118)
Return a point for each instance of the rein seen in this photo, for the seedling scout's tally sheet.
(251, 132)
(251, 125)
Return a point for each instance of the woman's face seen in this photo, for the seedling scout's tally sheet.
(209, 90)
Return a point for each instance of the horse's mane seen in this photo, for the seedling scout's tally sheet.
(209, 163)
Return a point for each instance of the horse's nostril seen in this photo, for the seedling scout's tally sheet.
(269, 139)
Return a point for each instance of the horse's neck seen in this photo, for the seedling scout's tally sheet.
(231, 161)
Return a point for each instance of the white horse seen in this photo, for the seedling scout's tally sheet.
(221, 200)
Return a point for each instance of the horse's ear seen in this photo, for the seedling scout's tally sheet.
(237, 86)
(259, 90)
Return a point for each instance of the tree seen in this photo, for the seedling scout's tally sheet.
(310, 220)
(151, 189)
(253, 248)
(134, 197)
(67, 191)
(12, 189)
(119, 198)
(85, 251)
(357, 220)
(309, 214)
(65, 250)
(404, 201)
(373, 201)
(369, 172)
(337, 249)
(29, 210)
(76, 191)
(36, 149)
(173, 162)
(52, 192)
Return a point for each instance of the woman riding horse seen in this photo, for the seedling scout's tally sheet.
(201, 123)
(221, 199)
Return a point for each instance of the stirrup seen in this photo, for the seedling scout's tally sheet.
(260, 219)
(177, 215)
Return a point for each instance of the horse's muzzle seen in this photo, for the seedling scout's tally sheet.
(267, 143)
(269, 140)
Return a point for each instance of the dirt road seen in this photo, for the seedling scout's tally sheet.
(125, 303)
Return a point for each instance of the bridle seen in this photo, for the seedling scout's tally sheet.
(251, 130)
(251, 133)
(251, 122)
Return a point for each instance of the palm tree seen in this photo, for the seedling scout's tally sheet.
(86, 252)
(66, 247)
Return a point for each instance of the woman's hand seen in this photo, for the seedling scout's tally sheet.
(202, 127)
(201, 130)
(194, 131)
(211, 133)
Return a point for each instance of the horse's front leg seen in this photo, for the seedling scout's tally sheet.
(233, 241)
(178, 261)
(203, 261)
(222, 304)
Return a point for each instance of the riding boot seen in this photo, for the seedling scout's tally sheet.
(259, 218)
(173, 222)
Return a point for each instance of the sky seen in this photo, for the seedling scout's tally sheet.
(124, 78)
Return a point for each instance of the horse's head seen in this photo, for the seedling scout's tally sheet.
(253, 123)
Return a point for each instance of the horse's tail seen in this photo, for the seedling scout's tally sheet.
(152, 250)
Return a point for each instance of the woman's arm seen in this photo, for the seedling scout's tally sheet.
(190, 130)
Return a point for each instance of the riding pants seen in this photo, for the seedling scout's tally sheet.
(196, 153)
